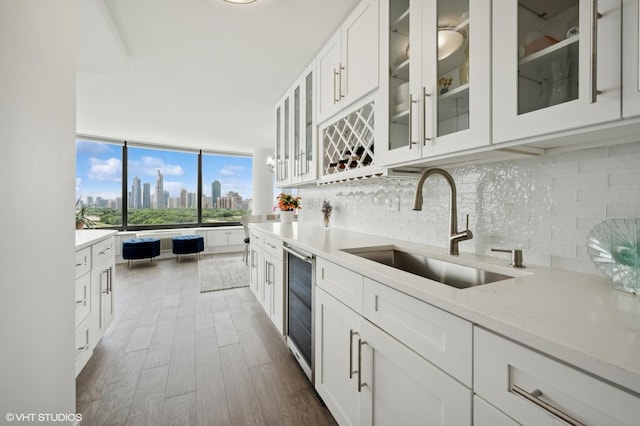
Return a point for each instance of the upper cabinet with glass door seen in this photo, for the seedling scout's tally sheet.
(303, 152)
(283, 140)
(438, 72)
(556, 65)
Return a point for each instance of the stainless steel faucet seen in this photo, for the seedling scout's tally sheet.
(454, 236)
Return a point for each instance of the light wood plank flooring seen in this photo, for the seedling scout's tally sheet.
(175, 356)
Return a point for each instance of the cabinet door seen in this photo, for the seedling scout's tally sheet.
(556, 66)
(254, 262)
(335, 361)
(329, 67)
(398, 386)
(454, 99)
(308, 167)
(359, 64)
(630, 58)
(283, 140)
(276, 288)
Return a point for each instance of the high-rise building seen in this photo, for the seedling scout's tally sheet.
(146, 195)
(216, 192)
(166, 198)
(183, 198)
(160, 198)
(136, 194)
(192, 200)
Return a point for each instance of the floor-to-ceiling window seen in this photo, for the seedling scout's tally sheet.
(129, 186)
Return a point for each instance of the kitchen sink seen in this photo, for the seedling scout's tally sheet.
(451, 274)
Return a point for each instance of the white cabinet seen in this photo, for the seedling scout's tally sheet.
(221, 239)
(102, 279)
(296, 145)
(630, 58)
(556, 66)
(95, 302)
(303, 122)
(283, 140)
(348, 63)
(398, 386)
(437, 98)
(534, 389)
(367, 377)
(336, 332)
(267, 278)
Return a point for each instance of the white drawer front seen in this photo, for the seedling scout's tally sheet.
(104, 251)
(443, 339)
(341, 283)
(500, 364)
(83, 350)
(83, 261)
(273, 246)
(485, 414)
(83, 298)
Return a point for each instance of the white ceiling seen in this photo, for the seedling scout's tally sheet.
(194, 73)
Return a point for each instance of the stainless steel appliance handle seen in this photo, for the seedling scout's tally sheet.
(533, 398)
(300, 256)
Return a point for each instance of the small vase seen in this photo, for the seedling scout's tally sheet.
(286, 216)
(325, 219)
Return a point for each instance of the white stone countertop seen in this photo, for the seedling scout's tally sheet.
(87, 237)
(576, 318)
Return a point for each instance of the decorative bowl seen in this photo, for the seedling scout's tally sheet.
(614, 248)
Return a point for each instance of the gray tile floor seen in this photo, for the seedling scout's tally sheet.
(175, 356)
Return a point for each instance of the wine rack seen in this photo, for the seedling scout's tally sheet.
(348, 144)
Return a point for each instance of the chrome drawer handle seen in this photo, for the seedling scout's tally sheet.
(105, 251)
(351, 334)
(81, 302)
(360, 384)
(534, 398)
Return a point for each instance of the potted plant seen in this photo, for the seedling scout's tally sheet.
(82, 219)
(288, 203)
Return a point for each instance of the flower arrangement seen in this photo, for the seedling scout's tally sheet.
(326, 211)
(288, 202)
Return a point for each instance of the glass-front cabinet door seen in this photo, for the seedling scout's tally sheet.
(556, 65)
(303, 121)
(283, 135)
(438, 77)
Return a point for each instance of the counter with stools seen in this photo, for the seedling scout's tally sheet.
(140, 248)
(187, 244)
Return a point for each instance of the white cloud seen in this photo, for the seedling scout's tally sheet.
(149, 166)
(105, 170)
(232, 170)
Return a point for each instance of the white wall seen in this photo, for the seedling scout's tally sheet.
(37, 174)
(544, 205)
(262, 192)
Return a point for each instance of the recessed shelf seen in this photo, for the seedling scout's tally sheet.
(401, 24)
(454, 103)
(401, 70)
(548, 52)
(401, 117)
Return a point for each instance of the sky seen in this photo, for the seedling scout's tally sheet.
(99, 170)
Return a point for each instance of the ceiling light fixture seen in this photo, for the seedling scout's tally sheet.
(449, 40)
(240, 1)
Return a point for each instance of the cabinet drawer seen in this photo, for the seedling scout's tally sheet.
(83, 349)
(83, 298)
(273, 246)
(103, 251)
(83, 261)
(503, 370)
(444, 339)
(341, 283)
(485, 414)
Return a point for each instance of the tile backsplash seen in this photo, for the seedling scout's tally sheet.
(545, 205)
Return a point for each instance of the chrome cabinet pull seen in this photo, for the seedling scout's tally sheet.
(424, 118)
(81, 302)
(335, 73)
(411, 102)
(593, 87)
(533, 397)
(351, 334)
(340, 82)
(105, 251)
(360, 384)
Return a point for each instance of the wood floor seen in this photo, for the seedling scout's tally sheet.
(175, 356)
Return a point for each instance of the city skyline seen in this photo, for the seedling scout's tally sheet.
(99, 172)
